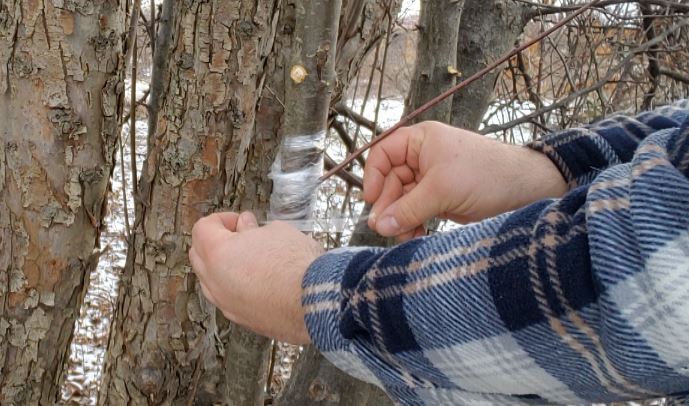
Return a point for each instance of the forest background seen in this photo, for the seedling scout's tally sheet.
(123, 122)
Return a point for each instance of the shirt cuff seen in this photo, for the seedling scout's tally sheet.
(322, 299)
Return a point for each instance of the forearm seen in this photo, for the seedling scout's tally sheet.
(553, 300)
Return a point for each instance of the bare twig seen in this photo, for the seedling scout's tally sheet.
(132, 114)
(359, 119)
(346, 140)
(675, 75)
(133, 22)
(564, 102)
(386, 48)
(127, 226)
(343, 174)
(140, 102)
(543, 9)
(653, 64)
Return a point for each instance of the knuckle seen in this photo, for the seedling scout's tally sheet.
(199, 227)
(408, 215)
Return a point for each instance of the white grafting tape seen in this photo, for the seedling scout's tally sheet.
(294, 187)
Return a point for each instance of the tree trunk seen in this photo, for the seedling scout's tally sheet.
(436, 55)
(488, 29)
(219, 126)
(60, 82)
(168, 345)
(315, 381)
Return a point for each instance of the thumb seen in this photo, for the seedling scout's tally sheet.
(246, 221)
(409, 211)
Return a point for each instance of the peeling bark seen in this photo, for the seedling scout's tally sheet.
(59, 105)
(220, 123)
(167, 344)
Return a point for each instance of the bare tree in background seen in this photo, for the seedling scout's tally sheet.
(629, 56)
(60, 87)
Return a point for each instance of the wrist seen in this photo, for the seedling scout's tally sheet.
(536, 178)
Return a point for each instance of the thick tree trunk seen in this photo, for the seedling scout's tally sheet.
(488, 29)
(219, 126)
(168, 345)
(60, 83)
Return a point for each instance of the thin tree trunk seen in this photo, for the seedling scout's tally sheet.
(308, 91)
(315, 381)
(60, 87)
(436, 55)
(488, 29)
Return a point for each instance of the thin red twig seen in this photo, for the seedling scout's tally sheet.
(432, 103)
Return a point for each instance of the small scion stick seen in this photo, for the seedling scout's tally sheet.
(432, 103)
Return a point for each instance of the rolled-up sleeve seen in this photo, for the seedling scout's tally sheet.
(582, 153)
(576, 300)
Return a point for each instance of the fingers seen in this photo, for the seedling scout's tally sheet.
(389, 153)
(418, 232)
(410, 211)
(213, 228)
(391, 191)
(227, 219)
(199, 268)
(246, 221)
(207, 293)
(196, 262)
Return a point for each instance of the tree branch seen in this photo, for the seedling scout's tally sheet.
(345, 175)
(359, 119)
(542, 9)
(347, 140)
(478, 75)
(673, 74)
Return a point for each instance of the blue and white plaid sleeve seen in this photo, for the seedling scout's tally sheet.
(582, 153)
(571, 301)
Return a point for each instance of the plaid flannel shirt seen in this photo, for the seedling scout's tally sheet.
(575, 300)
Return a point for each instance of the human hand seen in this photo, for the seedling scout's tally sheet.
(431, 169)
(253, 275)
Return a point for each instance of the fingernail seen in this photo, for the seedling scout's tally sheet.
(372, 218)
(388, 226)
(249, 220)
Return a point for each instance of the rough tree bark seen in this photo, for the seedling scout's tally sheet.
(436, 54)
(488, 29)
(60, 82)
(221, 113)
(166, 346)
